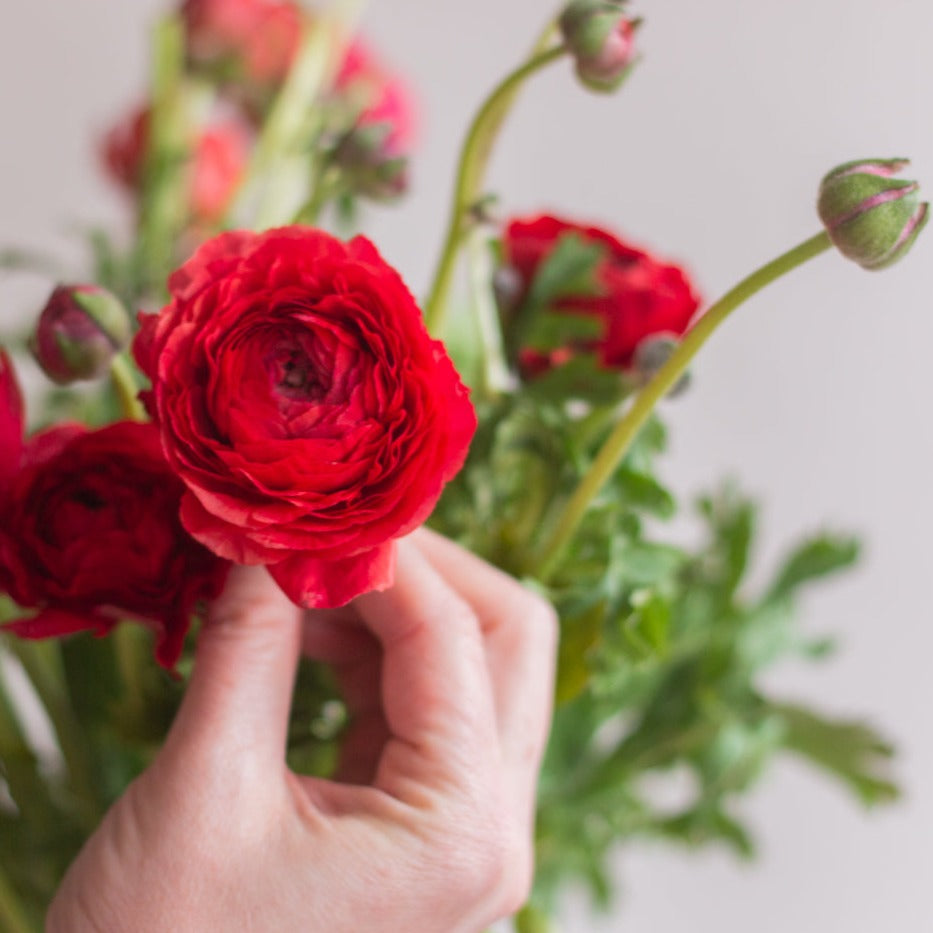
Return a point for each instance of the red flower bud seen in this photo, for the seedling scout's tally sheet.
(369, 169)
(602, 40)
(79, 331)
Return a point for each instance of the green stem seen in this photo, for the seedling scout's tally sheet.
(620, 440)
(133, 654)
(494, 374)
(531, 919)
(21, 769)
(325, 188)
(42, 663)
(13, 917)
(164, 206)
(277, 161)
(474, 157)
(124, 382)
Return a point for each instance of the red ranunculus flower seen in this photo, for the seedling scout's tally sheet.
(89, 530)
(260, 37)
(304, 406)
(219, 159)
(639, 296)
(381, 96)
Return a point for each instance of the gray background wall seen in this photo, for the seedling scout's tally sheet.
(817, 395)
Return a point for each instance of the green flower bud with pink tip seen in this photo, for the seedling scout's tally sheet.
(80, 330)
(872, 217)
(601, 39)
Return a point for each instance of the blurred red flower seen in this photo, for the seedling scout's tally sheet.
(635, 295)
(89, 530)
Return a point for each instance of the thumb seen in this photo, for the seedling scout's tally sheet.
(240, 692)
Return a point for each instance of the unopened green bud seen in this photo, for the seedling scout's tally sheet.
(602, 41)
(651, 355)
(79, 331)
(872, 217)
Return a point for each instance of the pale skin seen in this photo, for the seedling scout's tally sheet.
(428, 825)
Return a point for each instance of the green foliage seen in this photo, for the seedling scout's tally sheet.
(662, 650)
(569, 269)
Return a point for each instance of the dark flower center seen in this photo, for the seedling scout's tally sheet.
(89, 499)
(295, 376)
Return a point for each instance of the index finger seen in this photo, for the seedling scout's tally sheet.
(436, 691)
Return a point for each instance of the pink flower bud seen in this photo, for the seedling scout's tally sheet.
(602, 40)
(79, 331)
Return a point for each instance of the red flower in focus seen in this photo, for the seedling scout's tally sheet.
(380, 96)
(220, 156)
(638, 296)
(89, 530)
(258, 36)
(305, 407)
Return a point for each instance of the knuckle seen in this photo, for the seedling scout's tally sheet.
(477, 859)
(493, 864)
(535, 621)
(517, 871)
(543, 616)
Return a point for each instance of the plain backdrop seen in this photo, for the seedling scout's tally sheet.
(817, 395)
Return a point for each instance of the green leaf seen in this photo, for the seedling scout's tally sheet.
(568, 271)
(852, 751)
(643, 492)
(580, 378)
(645, 564)
(706, 824)
(551, 330)
(648, 626)
(732, 522)
(579, 636)
(818, 557)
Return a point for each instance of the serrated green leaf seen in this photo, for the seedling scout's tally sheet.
(579, 378)
(818, 557)
(850, 750)
(732, 526)
(643, 492)
(568, 270)
(644, 564)
(551, 330)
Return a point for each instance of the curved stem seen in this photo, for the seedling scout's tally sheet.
(121, 375)
(474, 157)
(620, 440)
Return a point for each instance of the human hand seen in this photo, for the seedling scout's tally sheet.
(449, 675)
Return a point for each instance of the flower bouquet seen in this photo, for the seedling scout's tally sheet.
(282, 399)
